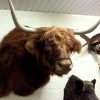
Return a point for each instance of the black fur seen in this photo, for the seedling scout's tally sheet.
(77, 89)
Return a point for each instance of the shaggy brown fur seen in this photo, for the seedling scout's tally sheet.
(28, 59)
(77, 89)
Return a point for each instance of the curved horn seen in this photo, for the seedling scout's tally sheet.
(17, 24)
(88, 30)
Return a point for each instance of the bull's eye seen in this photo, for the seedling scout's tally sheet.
(48, 53)
(95, 43)
(48, 48)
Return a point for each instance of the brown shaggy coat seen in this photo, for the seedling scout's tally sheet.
(28, 59)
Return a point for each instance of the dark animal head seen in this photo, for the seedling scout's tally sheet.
(77, 89)
(53, 46)
(94, 44)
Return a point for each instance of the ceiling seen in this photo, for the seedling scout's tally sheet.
(80, 7)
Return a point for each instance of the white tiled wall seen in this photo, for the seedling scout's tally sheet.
(84, 65)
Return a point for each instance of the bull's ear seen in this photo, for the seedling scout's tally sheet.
(30, 46)
(79, 85)
(93, 81)
(77, 46)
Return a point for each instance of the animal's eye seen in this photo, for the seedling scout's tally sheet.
(48, 48)
(94, 43)
(54, 45)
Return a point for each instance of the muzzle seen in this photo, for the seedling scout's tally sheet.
(63, 66)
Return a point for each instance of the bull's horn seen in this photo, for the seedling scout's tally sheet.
(88, 30)
(17, 24)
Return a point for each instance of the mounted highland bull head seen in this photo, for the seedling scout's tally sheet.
(28, 56)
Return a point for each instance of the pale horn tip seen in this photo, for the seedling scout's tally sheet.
(92, 28)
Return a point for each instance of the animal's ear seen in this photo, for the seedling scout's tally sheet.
(30, 46)
(93, 81)
(77, 46)
(79, 85)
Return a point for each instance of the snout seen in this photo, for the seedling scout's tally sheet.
(63, 66)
